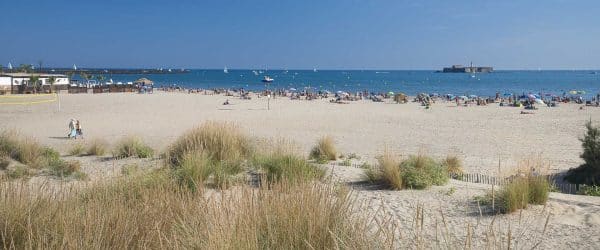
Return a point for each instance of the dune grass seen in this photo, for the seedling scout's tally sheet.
(324, 150)
(415, 172)
(22, 149)
(151, 211)
(288, 167)
(453, 165)
(518, 194)
(77, 149)
(213, 150)
(132, 147)
(220, 141)
(97, 147)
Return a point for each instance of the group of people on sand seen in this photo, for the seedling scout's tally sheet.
(75, 129)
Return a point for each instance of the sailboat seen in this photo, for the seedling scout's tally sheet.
(74, 67)
(225, 70)
(10, 66)
(314, 69)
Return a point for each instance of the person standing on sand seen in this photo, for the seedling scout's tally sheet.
(78, 130)
(72, 130)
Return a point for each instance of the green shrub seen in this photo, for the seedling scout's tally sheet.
(288, 167)
(589, 190)
(132, 147)
(77, 149)
(324, 150)
(589, 172)
(420, 172)
(97, 147)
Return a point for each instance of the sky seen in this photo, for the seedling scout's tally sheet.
(301, 34)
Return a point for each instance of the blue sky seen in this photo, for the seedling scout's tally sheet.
(377, 34)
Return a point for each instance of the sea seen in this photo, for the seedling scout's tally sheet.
(411, 82)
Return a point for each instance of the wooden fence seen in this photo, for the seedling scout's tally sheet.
(556, 180)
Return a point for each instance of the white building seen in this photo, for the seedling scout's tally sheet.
(16, 82)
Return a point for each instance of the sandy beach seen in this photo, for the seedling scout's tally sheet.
(480, 135)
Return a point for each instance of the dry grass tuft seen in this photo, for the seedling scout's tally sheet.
(116, 214)
(97, 147)
(77, 149)
(132, 147)
(415, 172)
(453, 165)
(324, 150)
(218, 140)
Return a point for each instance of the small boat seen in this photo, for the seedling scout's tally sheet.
(225, 70)
(267, 79)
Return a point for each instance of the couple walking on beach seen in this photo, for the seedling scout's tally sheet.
(75, 129)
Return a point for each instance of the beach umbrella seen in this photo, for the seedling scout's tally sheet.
(530, 96)
(573, 92)
(539, 101)
(507, 94)
(292, 89)
(143, 81)
(472, 96)
(390, 93)
(463, 97)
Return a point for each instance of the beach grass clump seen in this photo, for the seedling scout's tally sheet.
(453, 165)
(23, 150)
(421, 171)
(220, 141)
(4, 162)
(132, 147)
(415, 172)
(194, 169)
(18, 172)
(324, 150)
(539, 190)
(518, 194)
(77, 149)
(213, 150)
(288, 167)
(62, 168)
(115, 214)
(97, 147)
(589, 172)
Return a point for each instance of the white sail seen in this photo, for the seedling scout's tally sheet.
(225, 70)
(10, 66)
(74, 67)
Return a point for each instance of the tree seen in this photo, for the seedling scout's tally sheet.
(25, 68)
(33, 80)
(589, 172)
(52, 80)
(100, 78)
(84, 76)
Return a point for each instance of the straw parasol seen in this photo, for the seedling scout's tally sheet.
(144, 81)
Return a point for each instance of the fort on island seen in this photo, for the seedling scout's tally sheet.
(469, 69)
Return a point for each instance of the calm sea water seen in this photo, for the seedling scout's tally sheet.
(409, 82)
